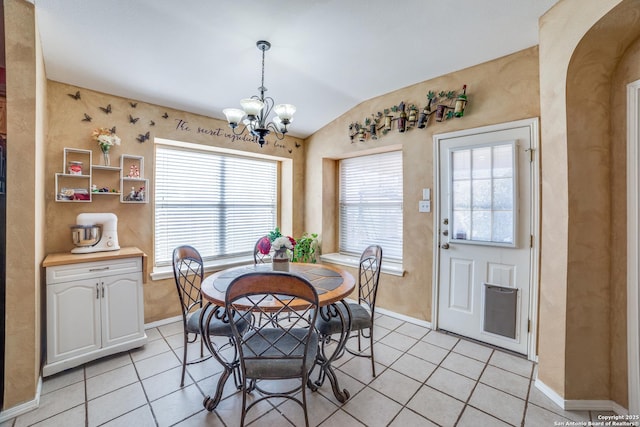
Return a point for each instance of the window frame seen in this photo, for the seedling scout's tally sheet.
(162, 267)
(344, 254)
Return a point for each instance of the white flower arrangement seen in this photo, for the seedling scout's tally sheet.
(105, 138)
(282, 242)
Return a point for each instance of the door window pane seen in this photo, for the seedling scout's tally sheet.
(483, 194)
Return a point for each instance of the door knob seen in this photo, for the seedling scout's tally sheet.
(444, 246)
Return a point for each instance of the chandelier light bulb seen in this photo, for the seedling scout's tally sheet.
(280, 126)
(252, 106)
(234, 116)
(285, 111)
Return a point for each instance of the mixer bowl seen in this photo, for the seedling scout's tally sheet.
(86, 235)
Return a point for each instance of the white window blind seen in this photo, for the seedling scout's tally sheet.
(219, 204)
(371, 204)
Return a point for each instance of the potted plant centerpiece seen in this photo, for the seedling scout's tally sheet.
(286, 248)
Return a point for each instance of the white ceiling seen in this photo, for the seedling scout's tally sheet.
(327, 56)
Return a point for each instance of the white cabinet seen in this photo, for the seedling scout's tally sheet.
(93, 309)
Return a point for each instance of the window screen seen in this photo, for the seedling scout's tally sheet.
(219, 204)
(371, 204)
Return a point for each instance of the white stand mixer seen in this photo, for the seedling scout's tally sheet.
(95, 232)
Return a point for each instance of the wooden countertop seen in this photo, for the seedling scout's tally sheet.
(65, 258)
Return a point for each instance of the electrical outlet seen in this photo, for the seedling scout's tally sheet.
(424, 206)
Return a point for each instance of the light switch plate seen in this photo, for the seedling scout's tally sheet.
(426, 194)
(424, 206)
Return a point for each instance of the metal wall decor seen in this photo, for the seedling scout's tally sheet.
(445, 105)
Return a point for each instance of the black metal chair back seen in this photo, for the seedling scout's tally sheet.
(369, 276)
(280, 341)
(188, 272)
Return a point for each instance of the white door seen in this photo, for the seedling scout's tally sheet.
(122, 313)
(485, 235)
(73, 319)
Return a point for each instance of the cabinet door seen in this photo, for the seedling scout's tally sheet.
(122, 309)
(73, 319)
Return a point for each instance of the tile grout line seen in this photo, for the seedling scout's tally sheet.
(526, 401)
(146, 396)
(86, 396)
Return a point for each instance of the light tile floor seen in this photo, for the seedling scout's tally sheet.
(424, 378)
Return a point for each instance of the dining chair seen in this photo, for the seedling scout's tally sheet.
(281, 347)
(362, 313)
(188, 271)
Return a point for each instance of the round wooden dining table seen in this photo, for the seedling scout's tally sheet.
(332, 284)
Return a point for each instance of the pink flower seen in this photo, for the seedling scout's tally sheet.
(264, 246)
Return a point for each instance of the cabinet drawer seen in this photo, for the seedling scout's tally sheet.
(87, 270)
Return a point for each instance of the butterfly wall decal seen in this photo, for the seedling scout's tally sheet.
(298, 145)
(75, 96)
(165, 116)
(152, 123)
(112, 130)
(87, 118)
(143, 138)
(133, 120)
(290, 150)
(133, 104)
(107, 109)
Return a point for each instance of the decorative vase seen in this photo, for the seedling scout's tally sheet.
(280, 260)
(106, 159)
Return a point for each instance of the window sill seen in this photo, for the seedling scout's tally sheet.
(166, 272)
(393, 268)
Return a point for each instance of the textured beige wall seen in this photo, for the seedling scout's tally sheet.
(589, 112)
(627, 71)
(580, 46)
(25, 101)
(499, 91)
(135, 221)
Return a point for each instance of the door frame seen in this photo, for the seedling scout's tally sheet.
(633, 245)
(533, 125)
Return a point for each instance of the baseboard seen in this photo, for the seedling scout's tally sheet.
(403, 317)
(23, 408)
(163, 322)
(580, 405)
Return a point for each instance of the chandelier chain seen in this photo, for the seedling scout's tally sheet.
(262, 88)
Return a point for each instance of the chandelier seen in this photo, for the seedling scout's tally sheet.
(255, 111)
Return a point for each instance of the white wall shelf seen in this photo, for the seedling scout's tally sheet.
(76, 185)
(133, 185)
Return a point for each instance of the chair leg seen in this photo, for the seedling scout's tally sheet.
(184, 360)
(373, 360)
(201, 347)
(304, 400)
(244, 405)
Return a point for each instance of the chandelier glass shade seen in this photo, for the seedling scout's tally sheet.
(255, 112)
